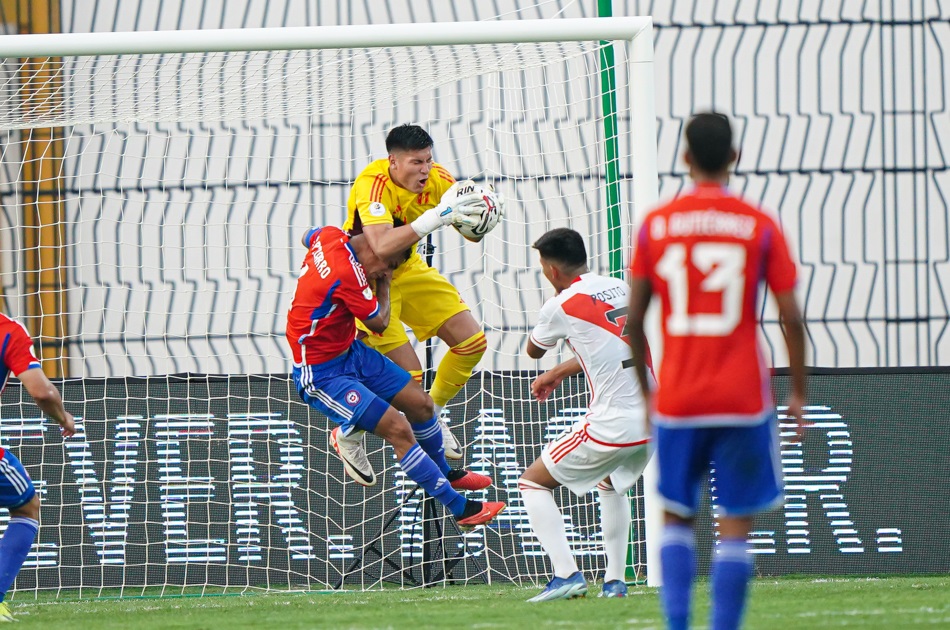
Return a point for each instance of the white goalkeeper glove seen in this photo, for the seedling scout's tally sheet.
(493, 210)
(462, 204)
(499, 201)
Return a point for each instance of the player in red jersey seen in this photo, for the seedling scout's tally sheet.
(356, 386)
(17, 493)
(704, 255)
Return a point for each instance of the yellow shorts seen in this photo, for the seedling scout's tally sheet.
(422, 299)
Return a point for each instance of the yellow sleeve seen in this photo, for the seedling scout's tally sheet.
(370, 200)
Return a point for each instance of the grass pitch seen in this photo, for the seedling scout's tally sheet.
(803, 602)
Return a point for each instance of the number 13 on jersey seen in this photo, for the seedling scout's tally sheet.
(723, 269)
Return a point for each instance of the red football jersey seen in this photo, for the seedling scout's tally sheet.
(16, 350)
(331, 291)
(705, 255)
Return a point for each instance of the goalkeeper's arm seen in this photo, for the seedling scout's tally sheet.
(387, 240)
(462, 203)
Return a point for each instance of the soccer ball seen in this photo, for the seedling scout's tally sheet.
(492, 204)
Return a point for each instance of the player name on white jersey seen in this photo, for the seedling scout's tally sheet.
(590, 316)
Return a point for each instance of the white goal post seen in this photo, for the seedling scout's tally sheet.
(168, 176)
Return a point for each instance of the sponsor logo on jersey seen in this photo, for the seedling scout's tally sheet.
(352, 398)
(377, 209)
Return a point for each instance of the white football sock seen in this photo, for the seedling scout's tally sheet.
(547, 523)
(615, 524)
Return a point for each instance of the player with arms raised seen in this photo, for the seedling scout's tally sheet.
(357, 387)
(17, 493)
(394, 202)
(606, 449)
(704, 255)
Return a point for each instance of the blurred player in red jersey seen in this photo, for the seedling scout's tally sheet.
(17, 493)
(705, 256)
(356, 386)
(394, 202)
(608, 447)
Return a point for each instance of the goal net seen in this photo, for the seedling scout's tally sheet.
(150, 240)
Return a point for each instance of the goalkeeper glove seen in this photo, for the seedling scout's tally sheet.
(462, 204)
(499, 201)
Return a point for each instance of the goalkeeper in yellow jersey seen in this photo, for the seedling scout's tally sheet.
(396, 202)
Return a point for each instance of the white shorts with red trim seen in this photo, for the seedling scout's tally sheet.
(579, 462)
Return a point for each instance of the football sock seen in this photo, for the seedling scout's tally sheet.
(547, 523)
(471, 509)
(731, 569)
(455, 474)
(416, 376)
(615, 524)
(456, 367)
(421, 469)
(678, 563)
(14, 546)
(429, 436)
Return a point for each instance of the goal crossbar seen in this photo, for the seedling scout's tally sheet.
(325, 37)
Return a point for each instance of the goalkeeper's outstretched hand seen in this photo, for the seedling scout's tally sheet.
(462, 204)
(492, 206)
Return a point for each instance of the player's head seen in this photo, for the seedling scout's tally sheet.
(563, 256)
(376, 266)
(410, 156)
(373, 265)
(709, 150)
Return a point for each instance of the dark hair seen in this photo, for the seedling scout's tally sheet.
(709, 141)
(408, 138)
(563, 246)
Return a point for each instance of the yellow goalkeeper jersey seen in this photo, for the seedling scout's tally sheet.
(375, 199)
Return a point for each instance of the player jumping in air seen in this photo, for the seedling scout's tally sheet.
(17, 493)
(400, 189)
(608, 447)
(356, 386)
(705, 255)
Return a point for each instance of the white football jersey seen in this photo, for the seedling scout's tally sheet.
(590, 316)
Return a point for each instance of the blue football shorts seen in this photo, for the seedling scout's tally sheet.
(354, 389)
(747, 462)
(16, 487)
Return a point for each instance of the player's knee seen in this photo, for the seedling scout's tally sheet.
(427, 408)
(422, 410)
(396, 430)
(30, 509)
